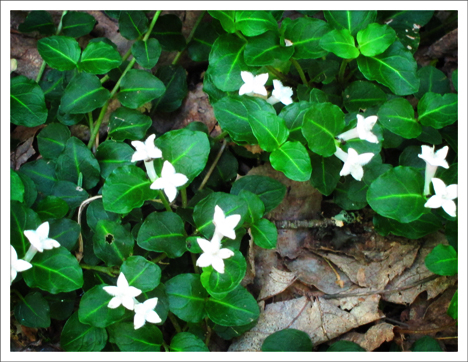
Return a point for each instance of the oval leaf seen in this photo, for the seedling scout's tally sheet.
(353, 21)
(79, 337)
(146, 53)
(287, 340)
(33, 311)
(132, 24)
(27, 103)
(253, 23)
(139, 87)
(99, 58)
(265, 49)
(145, 339)
(442, 260)
(264, 234)
(293, 160)
(340, 43)
(52, 139)
(112, 154)
(128, 124)
(77, 24)
(305, 34)
(375, 39)
(438, 110)
(59, 52)
(141, 273)
(397, 115)
(112, 243)
(187, 342)
(362, 95)
(269, 129)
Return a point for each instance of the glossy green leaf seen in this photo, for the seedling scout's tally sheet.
(452, 310)
(418, 17)
(95, 212)
(343, 193)
(113, 154)
(293, 115)
(53, 83)
(16, 187)
(72, 194)
(116, 73)
(141, 273)
(174, 78)
(437, 110)
(163, 232)
(236, 309)
(132, 24)
(293, 160)
(22, 218)
(397, 115)
(345, 346)
(187, 342)
(353, 21)
(146, 53)
(27, 102)
(430, 135)
(112, 242)
(61, 305)
(432, 80)
(264, 234)
(375, 39)
(125, 123)
(407, 33)
(99, 58)
(68, 119)
(255, 206)
(168, 30)
(126, 188)
(93, 309)
(425, 225)
(42, 173)
(325, 173)
(230, 332)
(38, 20)
(51, 207)
(305, 34)
(76, 24)
(253, 23)
(187, 297)
(318, 96)
(323, 70)
(54, 271)
(395, 68)
(33, 311)
(145, 339)
(214, 93)
(76, 158)
(270, 191)
(265, 49)
(65, 231)
(30, 191)
(442, 260)
(226, 18)
(409, 157)
(200, 46)
(322, 122)
(225, 170)
(80, 337)
(269, 129)
(139, 87)
(362, 95)
(52, 139)
(341, 43)
(287, 340)
(455, 79)
(426, 344)
(397, 194)
(84, 94)
(59, 52)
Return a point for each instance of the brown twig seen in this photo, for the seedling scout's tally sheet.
(79, 253)
(425, 331)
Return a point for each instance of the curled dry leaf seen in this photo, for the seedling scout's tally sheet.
(373, 338)
(276, 282)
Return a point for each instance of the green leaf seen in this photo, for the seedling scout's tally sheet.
(265, 49)
(59, 52)
(397, 115)
(218, 285)
(112, 242)
(139, 87)
(51, 207)
(225, 170)
(39, 20)
(322, 122)
(118, 72)
(253, 23)
(61, 305)
(344, 192)
(432, 80)
(33, 311)
(362, 95)
(425, 225)
(408, 34)
(187, 297)
(426, 344)
(270, 191)
(96, 212)
(353, 21)
(76, 158)
(419, 17)
(168, 30)
(99, 58)
(442, 260)
(187, 150)
(375, 39)
(269, 129)
(323, 70)
(264, 234)
(126, 188)
(409, 157)
(200, 46)
(226, 17)
(162, 307)
(287, 340)
(132, 24)
(16, 187)
(345, 346)
(42, 173)
(27, 103)
(22, 218)
(83, 94)
(437, 110)
(68, 119)
(455, 79)
(54, 271)
(305, 34)
(141, 273)
(125, 123)
(395, 68)
(93, 308)
(163, 232)
(293, 160)
(229, 332)
(325, 173)
(52, 139)
(145, 339)
(452, 310)
(255, 206)
(30, 191)
(293, 115)
(65, 231)
(232, 113)
(72, 194)
(111, 155)
(174, 78)
(236, 309)
(77, 24)
(187, 342)
(397, 194)
(341, 43)
(79, 337)
(214, 93)
(53, 83)
(146, 53)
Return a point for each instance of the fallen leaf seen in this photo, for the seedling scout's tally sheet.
(276, 282)
(22, 154)
(373, 338)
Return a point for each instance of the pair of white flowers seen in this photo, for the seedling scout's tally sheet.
(170, 179)
(255, 84)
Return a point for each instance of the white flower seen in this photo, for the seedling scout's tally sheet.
(39, 238)
(444, 197)
(122, 293)
(213, 254)
(16, 265)
(146, 151)
(280, 93)
(288, 43)
(253, 84)
(433, 160)
(169, 181)
(144, 312)
(224, 226)
(353, 162)
(363, 130)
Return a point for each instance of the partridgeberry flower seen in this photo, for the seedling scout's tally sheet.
(169, 181)
(353, 162)
(40, 240)
(146, 151)
(444, 196)
(224, 226)
(213, 254)
(16, 265)
(363, 130)
(280, 93)
(144, 312)
(123, 294)
(253, 84)
(433, 160)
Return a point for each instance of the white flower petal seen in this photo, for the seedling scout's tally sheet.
(205, 245)
(152, 317)
(133, 291)
(178, 179)
(218, 216)
(439, 186)
(49, 244)
(357, 172)
(114, 303)
(247, 77)
(434, 202)
(451, 192)
(365, 158)
(225, 253)
(112, 290)
(204, 260)
(158, 184)
(138, 321)
(171, 192)
(218, 265)
(151, 303)
(450, 207)
(167, 169)
(43, 230)
(34, 239)
(245, 89)
(22, 265)
(122, 281)
(261, 79)
(128, 302)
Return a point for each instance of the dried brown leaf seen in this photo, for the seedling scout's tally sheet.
(373, 338)
(22, 154)
(276, 282)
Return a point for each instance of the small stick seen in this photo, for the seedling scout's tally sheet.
(79, 253)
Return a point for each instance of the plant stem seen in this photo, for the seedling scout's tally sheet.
(213, 165)
(164, 201)
(183, 192)
(280, 75)
(208, 332)
(79, 253)
(103, 269)
(238, 33)
(300, 71)
(194, 262)
(166, 347)
(174, 322)
(153, 22)
(18, 294)
(342, 70)
(158, 258)
(189, 39)
(221, 136)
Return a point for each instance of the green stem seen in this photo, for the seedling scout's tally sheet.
(158, 258)
(238, 33)
(166, 347)
(299, 70)
(194, 262)
(208, 332)
(103, 269)
(280, 75)
(18, 294)
(174, 322)
(221, 136)
(164, 201)
(183, 192)
(341, 72)
(97, 125)
(153, 22)
(189, 39)
(213, 165)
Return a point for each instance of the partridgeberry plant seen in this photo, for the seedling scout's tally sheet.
(137, 239)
